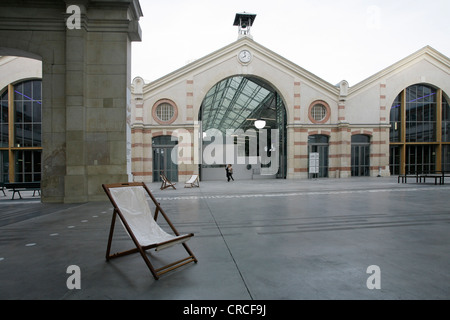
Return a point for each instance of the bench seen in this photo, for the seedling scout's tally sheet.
(438, 176)
(445, 174)
(404, 177)
(17, 187)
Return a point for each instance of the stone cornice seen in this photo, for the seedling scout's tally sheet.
(54, 17)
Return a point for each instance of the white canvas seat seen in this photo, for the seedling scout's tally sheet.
(131, 205)
(192, 182)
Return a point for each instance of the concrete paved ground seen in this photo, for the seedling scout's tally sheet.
(261, 239)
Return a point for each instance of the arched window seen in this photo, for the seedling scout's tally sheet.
(419, 133)
(21, 131)
(27, 110)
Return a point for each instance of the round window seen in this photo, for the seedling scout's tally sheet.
(164, 111)
(319, 112)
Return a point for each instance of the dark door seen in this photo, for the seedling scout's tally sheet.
(165, 158)
(319, 144)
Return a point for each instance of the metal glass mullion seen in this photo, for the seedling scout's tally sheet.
(438, 132)
(224, 93)
(236, 96)
(11, 132)
(219, 89)
(209, 106)
(255, 113)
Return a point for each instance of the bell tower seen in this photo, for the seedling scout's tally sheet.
(244, 21)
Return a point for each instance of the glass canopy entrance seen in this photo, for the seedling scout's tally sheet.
(228, 117)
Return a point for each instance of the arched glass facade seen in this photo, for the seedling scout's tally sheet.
(420, 131)
(233, 105)
(21, 131)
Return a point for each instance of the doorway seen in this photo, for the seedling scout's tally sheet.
(319, 144)
(238, 111)
(360, 155)
(165, 158)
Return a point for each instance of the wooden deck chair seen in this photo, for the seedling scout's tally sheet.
(165, 182)
(192, 182)
(130, 204)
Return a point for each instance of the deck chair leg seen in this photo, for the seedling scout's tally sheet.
(148, 263)
(189, 252)
(111, 232)
(124, 253)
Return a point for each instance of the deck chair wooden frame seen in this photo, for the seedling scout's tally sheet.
(180, 239)
(165, 182)
(192, 182)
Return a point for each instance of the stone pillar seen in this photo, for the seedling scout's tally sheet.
(97, 98)
(344, 151)
(300, 151)
(53, 161)
(137, 142)
(75, 180)
(85, 88)
(380, 157)
(297, 150)
(290, 153)
(343, 136)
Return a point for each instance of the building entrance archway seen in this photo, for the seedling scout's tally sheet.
(243, 123)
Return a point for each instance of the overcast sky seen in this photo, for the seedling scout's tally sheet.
(334, 39)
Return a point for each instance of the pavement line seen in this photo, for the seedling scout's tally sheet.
(231, 253)
(296, 194)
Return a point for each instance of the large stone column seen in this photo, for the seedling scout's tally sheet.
(86, 79)
(98, 77)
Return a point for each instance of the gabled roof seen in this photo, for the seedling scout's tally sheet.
(231, 48)
(300, 72)
(425, 52)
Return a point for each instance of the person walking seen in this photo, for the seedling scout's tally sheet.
(229, 171)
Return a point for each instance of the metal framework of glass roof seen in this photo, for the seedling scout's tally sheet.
(236, 102)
